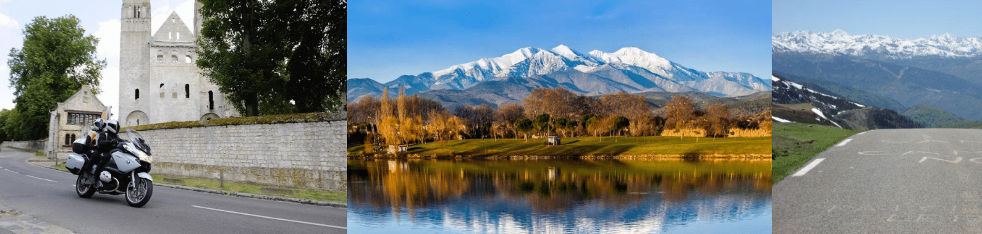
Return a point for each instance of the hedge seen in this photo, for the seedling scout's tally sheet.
(267, 119)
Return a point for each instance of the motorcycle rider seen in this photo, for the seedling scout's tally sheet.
(104, 137)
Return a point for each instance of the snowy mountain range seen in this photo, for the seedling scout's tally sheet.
(628, 69)
(942, 72)
(839, 42)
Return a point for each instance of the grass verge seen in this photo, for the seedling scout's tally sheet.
(796, 143)
(311, 194)
(591, 146)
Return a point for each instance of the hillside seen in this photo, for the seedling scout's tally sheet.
(796, 102)
(931, 116)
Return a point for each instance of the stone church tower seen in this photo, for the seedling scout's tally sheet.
(158, 78)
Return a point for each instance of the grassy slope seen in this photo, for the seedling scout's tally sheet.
(796, 143)
(931, 116)
(596, 146)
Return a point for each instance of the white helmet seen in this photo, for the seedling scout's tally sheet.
(112, 126)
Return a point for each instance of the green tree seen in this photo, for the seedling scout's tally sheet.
(620, 123)
(272, 57)
(541, 123)
(3, 122)
(56, 59)
(523, 126)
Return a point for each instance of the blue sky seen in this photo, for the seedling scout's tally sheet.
(391, 38)
(901, 19)
(99, 18)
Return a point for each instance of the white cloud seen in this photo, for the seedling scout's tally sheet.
(7, 22)
(108, 48)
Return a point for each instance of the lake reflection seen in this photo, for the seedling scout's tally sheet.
(428, 196)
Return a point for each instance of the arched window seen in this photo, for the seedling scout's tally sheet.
(73, 137)
(211, 100)
(66, 139)
(137, 94)
(187, 91)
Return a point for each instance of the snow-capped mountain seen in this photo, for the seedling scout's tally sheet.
(828, 108)
(839, 42)
(628, 69)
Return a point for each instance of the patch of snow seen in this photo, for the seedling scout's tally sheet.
(820, 114)
(584, 68)
(775, 118)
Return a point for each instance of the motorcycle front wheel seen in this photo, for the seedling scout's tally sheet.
(138, 192)
(83, 191)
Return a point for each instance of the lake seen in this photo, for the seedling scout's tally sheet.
(549, 196)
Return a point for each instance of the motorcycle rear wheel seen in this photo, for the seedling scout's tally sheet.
(83, 191)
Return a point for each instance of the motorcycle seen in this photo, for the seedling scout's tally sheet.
(127, 172)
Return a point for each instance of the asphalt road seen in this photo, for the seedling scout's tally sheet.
(887, 181)
(49, 195)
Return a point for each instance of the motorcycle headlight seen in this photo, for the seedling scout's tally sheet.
(139, 153)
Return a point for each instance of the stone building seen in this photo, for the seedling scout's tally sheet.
(70, 120)
(158, 78)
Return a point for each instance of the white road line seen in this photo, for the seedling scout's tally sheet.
(808, 167)
(273, 218)
(5, 169)
(40, 178)
(843, 143)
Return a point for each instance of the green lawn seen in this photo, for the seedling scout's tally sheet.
(592, 146)
(796, 143)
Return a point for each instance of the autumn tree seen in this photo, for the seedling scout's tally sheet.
(507, 114)
(556, 102)
(679, 113)
(717, 120)
(477, 118)
(387, 123)
(633, 107)
(364, 110)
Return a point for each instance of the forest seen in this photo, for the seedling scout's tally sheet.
(406, 120)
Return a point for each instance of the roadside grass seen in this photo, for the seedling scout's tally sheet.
(60, 167)
(796, 143)
(591, 146)
(311, 194)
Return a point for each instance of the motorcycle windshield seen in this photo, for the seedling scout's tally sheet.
(138, 140)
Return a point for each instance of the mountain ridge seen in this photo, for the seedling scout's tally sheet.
(629, 69)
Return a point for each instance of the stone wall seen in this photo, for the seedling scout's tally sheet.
(37, 145)
(305, 155)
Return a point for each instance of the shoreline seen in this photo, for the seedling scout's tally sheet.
(761, 157)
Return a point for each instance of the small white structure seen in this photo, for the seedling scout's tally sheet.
(553, 140)
(70, 119)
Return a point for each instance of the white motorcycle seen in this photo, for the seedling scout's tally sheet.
(127, 172)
